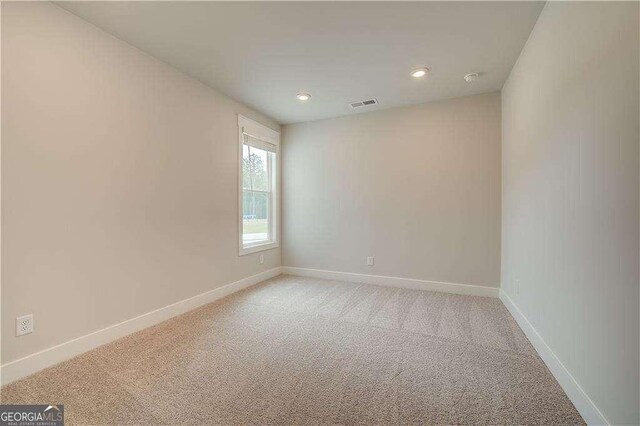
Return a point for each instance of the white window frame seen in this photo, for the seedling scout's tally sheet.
(258, 131)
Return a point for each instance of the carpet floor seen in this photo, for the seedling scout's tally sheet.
(306, 351)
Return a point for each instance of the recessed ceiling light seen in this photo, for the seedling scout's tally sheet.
(419, 72)
(303, 96)
(471, 77)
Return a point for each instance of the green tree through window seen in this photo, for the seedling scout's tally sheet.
(254, 174)
(255, 183)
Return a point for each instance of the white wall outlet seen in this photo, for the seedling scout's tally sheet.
(261, 259)
(24, 325)
(517, 287)
(370, 260)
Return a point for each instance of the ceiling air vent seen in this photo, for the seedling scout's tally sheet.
(361, 104)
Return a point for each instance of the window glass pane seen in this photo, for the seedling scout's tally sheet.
(255, 216)
(255, 174)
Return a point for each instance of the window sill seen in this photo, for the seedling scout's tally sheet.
(258, 247)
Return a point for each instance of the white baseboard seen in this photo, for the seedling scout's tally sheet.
(30, 364)
(472, 290)
(585, 406)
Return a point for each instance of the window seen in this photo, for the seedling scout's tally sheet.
(259, 174)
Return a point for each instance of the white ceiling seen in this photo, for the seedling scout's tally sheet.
(263, 53)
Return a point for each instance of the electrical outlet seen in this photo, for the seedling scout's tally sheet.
(370, 260)
(261, 259)
(517, 287)
(24, 325)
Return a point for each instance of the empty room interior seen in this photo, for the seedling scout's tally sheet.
(320, 213)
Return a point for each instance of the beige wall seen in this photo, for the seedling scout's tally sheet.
(570, 195)
(119, 181)
(416, 187)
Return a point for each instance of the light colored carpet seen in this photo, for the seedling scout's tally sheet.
(306, 351)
